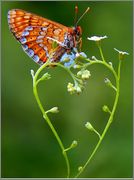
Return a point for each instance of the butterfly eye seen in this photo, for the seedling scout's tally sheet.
(79, 31)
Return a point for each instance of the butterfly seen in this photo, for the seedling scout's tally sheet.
(37, 35)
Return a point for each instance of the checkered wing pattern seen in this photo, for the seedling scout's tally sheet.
(36, 34)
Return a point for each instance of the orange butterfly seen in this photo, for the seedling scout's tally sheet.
(37, 34)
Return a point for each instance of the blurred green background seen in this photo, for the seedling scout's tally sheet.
(29, 148)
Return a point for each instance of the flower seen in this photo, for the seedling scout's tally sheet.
(121, 52)
(81, 54)
(96, 38)
(73, 89)
(78, 89)
(68, 59)
(84, 74)
(70, 88)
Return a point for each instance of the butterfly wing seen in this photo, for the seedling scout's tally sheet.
(35, 33)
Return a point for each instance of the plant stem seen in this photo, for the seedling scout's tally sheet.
(112, 112)
(101, 53)
(45, 116)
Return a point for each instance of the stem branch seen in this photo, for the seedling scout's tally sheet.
(117, 77)
(45, 116)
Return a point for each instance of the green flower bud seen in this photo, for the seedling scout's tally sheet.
(94, 58)
(110, 63)
(89, 126)
(45, 76)
(105, 109)
(54, 110)
(79, 73)
(74, 144)
(107, 81)
(80, 168)
(76, 66)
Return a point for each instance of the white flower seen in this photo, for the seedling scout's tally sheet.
(121, 52)
(81, 54)
(71, 88)
(96, 38)
(78, 89)
(84, 74)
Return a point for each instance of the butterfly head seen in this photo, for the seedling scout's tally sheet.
(77, 31)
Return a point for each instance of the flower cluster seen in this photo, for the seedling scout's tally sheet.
(74, 89)
(82, 76)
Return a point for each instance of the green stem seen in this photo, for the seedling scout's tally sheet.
(101, 53)
(111, 115)
(45, 116)
(97, 133)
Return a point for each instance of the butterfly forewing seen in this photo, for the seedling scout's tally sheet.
(35, 33)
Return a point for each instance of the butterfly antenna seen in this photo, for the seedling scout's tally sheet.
(76, 14)
(82, 16)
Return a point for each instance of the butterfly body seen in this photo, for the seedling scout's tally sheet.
(37, 34)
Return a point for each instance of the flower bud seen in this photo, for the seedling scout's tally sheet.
(105, 109)
(84, 74)
(94, 58)
(76, 66)
(107, 81)
(45, 76)
(79, 73)
(74, 144)
(80, 168)
(78, 89)
(110, 63)
(70, 88)
(54, 110)
(89, 126)
(32, 73)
